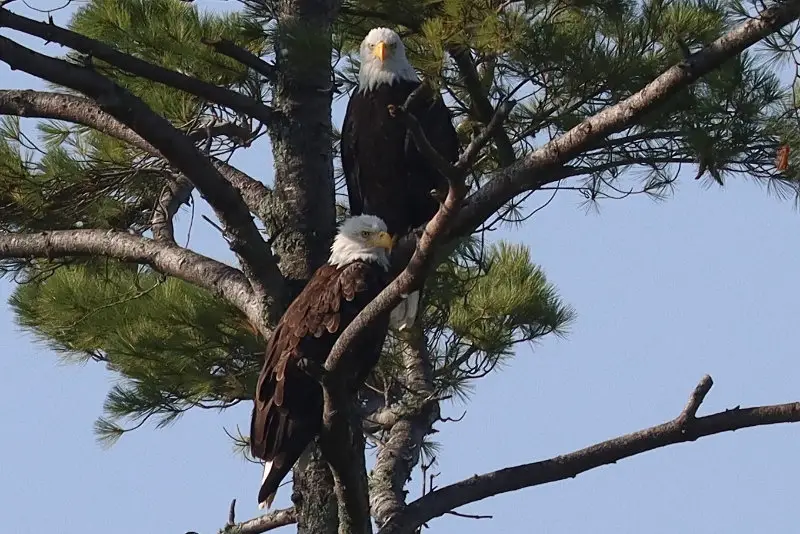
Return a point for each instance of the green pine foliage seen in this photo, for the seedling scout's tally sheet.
(175, 347)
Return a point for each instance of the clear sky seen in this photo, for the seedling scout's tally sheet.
(704, 283)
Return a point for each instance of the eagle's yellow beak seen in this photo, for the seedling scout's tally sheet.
(380, 50)
(383, 240)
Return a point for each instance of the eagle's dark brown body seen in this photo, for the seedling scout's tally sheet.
(288, 404)
(386, 174)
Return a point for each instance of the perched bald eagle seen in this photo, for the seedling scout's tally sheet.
(288, 403)
(385, 173)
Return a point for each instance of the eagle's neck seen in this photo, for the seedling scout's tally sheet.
(374, 74)
(346, 250)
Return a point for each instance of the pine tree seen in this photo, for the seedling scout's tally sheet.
(191, 337)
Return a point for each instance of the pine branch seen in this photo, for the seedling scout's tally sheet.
(544, 165)
(80, 110)
(212, 93)
(244, 239)
(685, 427)
(216, 277)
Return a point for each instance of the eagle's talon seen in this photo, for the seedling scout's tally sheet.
(392, 110)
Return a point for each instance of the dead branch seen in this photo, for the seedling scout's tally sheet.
(244, 239)
(169, 259)
(685, 427)
(212, 93)
(264, 523)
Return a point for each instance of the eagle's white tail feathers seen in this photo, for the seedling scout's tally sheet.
(405, 313)
(268, 501)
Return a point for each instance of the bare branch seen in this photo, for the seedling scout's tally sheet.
(544, 165)
(696, 399)
(245, 57)
(416, 413)
(173, 196)
(257, 261)
(212, 93)
(169, 259)
(679, 430)
(80, 110)
(265, 523)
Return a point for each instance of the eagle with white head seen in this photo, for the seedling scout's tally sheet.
(386, 174)
(288, 402)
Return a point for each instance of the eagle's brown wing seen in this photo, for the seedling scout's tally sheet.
(288, 402)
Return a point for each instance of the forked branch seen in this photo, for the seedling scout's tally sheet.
(685, 427)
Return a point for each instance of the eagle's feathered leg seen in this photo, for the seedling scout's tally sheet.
(405, 313)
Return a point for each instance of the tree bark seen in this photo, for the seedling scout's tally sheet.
(303, 210)
(302, 216)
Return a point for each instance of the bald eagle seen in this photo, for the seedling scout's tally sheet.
(385, 173)
(288, 402)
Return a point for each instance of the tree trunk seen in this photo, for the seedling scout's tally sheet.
(303, 209)
(303, 217)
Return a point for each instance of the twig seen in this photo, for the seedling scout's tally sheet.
(245, 57)
(470, 516)
(678, 430)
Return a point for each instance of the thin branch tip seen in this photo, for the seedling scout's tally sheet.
(232, 513)
(697, 397)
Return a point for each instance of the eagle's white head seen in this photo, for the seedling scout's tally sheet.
(363, 237)
(383, 60)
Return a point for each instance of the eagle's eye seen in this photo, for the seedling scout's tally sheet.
(365, 233)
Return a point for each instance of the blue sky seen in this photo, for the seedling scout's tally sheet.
(703, 283)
